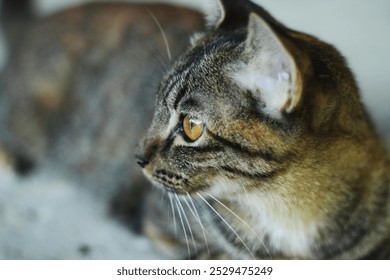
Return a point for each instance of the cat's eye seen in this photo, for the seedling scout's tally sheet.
(192, 127)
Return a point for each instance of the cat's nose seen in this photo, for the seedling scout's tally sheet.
(140, 156)
(146, 151)
(141, 161)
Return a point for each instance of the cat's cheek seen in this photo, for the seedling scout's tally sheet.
(224, 187)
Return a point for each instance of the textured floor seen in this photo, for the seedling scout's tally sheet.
(44, 218)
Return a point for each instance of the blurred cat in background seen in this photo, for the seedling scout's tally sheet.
(78, 90)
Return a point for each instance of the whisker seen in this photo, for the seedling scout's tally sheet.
(162, 198)
(247, 198)
(155, 55)
(188, 224)
(173, 213)
(195, 213)
(245, 223)
(184, 230)
(162, 33)
(230, 227)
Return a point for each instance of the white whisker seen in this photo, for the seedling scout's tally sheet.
(184, 229)
(188, 224)
(195, 213)
(162, 197)
(162, 33)
(173, 213)
(230, 227)
(247, 198)
(245, 223)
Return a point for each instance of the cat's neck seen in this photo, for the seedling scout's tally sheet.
(289, 213)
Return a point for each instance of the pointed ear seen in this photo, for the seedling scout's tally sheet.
(215, 13)
(270, 71)
(228, 14)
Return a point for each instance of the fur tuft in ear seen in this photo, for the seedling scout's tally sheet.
(269, 71)
(196, 37)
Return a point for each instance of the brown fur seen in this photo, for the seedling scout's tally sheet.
(307, 178)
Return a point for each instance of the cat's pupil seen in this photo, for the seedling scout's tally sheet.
(193, 128)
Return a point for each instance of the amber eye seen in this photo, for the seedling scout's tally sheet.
(193, 128)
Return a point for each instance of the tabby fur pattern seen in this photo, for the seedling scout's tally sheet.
(288, 164)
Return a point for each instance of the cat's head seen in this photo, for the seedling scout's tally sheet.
(242, 101)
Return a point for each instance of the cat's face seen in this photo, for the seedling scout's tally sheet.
(266, 124)
(212, 126)
(240, 102)
(194, 108)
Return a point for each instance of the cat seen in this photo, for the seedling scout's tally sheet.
(262, 149)
(246, 176)
(77, 92)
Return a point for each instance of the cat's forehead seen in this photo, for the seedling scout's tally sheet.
(200, 69)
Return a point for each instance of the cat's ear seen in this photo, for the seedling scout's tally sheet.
(227, 14)
(215, 13)
(270, 71)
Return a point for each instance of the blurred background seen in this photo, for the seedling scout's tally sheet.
(359, 29)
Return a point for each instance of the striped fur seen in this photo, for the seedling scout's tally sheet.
(288, 166)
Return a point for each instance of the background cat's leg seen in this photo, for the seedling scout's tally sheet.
(126, 204)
